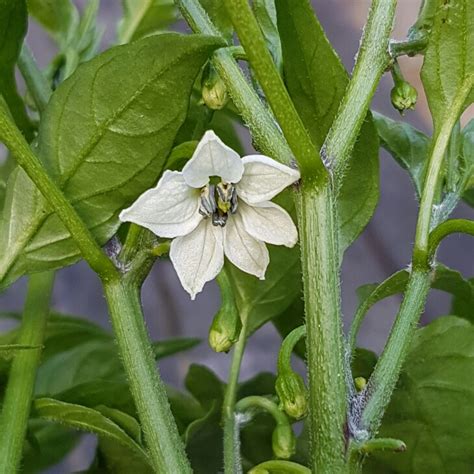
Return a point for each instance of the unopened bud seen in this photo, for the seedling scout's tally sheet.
(404, 96)
(291, 391)
(214, 91)
(360, 383)
(283, 441)
(226, 326)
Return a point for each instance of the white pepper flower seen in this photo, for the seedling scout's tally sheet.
(219, 204)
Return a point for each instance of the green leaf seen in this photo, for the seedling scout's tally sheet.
(217, 12)
(316, 81)
(290, 319)
(145, 17)
(204, 385)
(58, 17)
(407, 145)
(266, 16)
(432, 409)
(87, 419)
(363, 363)
(449, 58)
(104, 151)
(13, 26)
(46, 444)
(468, 162)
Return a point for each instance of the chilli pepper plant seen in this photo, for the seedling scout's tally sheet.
(127, 155)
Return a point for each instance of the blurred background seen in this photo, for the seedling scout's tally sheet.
(383, 248)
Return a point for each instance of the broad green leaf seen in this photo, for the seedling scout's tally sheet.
(463, 303)
(128, 423)
(145, 17)
(13, 26)
(290, 319)
(363, 363)
(449, 58)
(316, 81)
(104, 151)
(204, 385)
(407, 145)
(58, 17)
(87, 419)
(432, 409)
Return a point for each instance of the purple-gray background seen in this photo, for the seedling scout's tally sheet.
(383, 248)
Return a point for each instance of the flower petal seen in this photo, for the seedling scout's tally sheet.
(245, 252)
(264, 178)
(198, 257)
(170, 209)
(268, 222)
(212, 158)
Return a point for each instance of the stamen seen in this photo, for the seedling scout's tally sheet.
(218, 201)
(208, 202)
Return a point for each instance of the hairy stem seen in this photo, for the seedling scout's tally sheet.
(449, 227)
(272, 84)
(22, 375)
(386, 372)
(232, 461)
(90, 249)
(372, 61)
(161, 434)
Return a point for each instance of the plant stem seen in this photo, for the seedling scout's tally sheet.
(161, 434)
(327, 391)
(258, 55)
(90, 249)
(449, 227)
(260, 121)
(372, 61)
(287, 347)
(265, 404)
(22, 375)
(232, 461)
(279, 467)
(386, 372)
(34, 78)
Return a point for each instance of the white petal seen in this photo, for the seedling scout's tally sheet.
(212, 158)
(268, 222)
(198, 257)
(245, 252)
(264, 178)
(170, 209)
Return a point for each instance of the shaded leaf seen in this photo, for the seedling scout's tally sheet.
(449, 58)
(105, 151)
(217, 12)
(204, 385)
(425, 409)
(13, 26)
(87, 419)
(145, 17)
(407, 145)
(316, 81)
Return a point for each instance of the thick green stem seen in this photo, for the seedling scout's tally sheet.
(272, 84)
(324, 341)
(22, 375)
(35, 81)
(372, 61)
(260, 121)
(232, 461)
(384, 378)
(161, 434)
(90, 249)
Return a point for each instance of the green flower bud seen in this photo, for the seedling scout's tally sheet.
(360, 383)
(226, 326)
(214, 91)
(283, 441)
(404, 96)
(291, 391)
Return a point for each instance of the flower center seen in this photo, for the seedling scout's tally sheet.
(217, 201)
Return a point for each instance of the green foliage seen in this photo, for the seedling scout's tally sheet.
(449, 58)
(432, 408)
(13, 26)
(218, 14)
(145, 17)
(96, 150)
(316, 87)
(94, 421)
